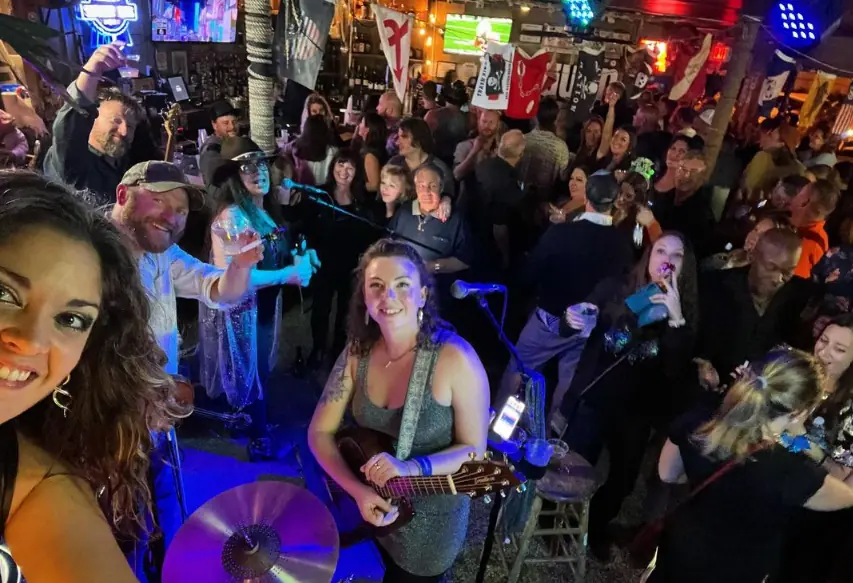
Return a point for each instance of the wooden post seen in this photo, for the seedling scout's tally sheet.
(741, 56)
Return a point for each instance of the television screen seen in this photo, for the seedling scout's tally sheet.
(467, 35)
(194, 21)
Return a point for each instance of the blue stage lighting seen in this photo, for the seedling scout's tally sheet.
(803, 23)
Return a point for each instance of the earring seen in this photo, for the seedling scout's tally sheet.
(366, 317)
(66, 407)
(420, 317)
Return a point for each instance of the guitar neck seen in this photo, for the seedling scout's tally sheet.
(418, 486)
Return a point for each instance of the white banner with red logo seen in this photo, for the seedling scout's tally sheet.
(492, 89)
(395, 34)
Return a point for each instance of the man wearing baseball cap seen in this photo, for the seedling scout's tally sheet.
(153, 200)
(223, 119)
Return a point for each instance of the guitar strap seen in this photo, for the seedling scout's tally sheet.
(425, 359)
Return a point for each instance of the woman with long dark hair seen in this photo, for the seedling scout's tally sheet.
(627, 379)
(311, 153)
(587, 153)
(340, 240)
(372, 133)
(617, 146)
(631, 211)
(755, 443)
(397, 344)
(238, 345)
(678, 148)
(82, 386)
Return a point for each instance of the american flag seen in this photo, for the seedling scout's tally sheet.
(844, 121)
(307, 43)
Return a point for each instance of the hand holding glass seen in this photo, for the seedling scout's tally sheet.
(236, 234)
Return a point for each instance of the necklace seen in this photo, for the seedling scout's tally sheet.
(422, 219)
(399, 358)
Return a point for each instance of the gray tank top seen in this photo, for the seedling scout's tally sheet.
(429, 544)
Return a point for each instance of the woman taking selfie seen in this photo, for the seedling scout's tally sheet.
(756, 475)
(397, 345)
(639, 359)
(82, 386)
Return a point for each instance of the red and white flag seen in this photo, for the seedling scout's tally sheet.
(395, 34)
(529, 75)
(690, 74)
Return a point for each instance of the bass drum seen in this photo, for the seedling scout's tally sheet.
(9, 572)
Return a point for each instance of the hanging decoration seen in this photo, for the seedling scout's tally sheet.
(529, 75)
(778, 77)
(492, 89)
(585, 85)
(300, 39)
(395, 35)
(690, 73)
(818, 93)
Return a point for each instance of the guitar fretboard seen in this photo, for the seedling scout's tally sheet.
(417, 486)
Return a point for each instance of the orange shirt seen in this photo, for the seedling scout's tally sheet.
(815, 244)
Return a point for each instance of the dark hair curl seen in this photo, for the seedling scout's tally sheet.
(119, 389)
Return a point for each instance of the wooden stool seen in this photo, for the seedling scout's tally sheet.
(570, 486)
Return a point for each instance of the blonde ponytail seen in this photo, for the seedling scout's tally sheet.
(786, 381)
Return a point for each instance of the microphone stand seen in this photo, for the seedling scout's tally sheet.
(330, 205)
(536, 413)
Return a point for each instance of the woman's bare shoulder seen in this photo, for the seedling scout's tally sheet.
(35, 465)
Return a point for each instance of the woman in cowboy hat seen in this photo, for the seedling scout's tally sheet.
(239, 345)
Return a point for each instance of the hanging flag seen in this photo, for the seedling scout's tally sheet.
(395, 34)
(844, 119)
(817, 96)
(300, 39)
(689, 77)
(526, 83)
(584, 85)
(776, 83)
(492, 89)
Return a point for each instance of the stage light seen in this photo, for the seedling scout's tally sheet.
(803, 23)
(579, 13)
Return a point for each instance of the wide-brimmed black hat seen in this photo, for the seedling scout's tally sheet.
(235, 151)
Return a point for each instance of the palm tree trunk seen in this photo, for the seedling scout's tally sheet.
(261, 73)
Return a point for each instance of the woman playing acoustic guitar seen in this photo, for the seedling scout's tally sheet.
(397, 348)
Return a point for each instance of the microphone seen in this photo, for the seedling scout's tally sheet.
(288, 183)
(462, 289)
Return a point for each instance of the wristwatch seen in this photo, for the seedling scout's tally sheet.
(436, 267)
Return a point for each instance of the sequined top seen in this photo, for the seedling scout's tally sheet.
(429, 544)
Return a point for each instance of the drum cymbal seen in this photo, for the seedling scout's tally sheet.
(263, 532)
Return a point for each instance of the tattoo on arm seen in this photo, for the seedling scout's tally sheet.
(337, 386)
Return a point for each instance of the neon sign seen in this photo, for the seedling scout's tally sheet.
(109, 17)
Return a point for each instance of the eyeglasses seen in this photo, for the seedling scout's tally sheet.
(689, 171)
(253, 167)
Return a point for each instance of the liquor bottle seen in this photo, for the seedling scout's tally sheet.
(356, 73)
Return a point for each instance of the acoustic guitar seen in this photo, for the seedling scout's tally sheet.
(475, 478)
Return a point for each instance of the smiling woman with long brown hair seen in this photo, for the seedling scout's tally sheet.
(397, 344)
(81, 386)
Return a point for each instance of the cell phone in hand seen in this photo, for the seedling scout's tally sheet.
(508, 418)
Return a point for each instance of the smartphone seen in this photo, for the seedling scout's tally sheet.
(508, 418)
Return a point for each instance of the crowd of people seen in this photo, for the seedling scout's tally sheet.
(713, 334)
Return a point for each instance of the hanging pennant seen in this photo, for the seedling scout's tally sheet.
(492, 90)
(778, 75)
(818, 93)
(395, 34)
(690, 71)
(526, 83)
(585, 85)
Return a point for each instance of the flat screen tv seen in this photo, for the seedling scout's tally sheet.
(194, 21)
(468, 35)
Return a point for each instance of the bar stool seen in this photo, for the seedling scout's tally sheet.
(569, 485)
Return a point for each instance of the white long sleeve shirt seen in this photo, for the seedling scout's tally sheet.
(170, 275)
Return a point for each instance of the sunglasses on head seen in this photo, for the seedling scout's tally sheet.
(252, 167)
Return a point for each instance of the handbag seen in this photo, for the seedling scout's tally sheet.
(643, 548)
